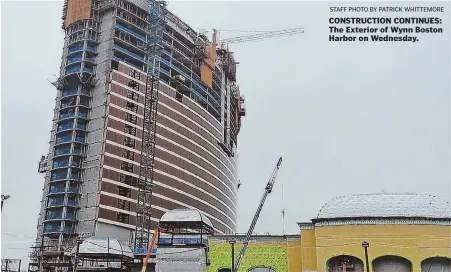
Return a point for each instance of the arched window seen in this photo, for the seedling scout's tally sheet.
(391, 263)
(344, 263)
(436, 264)
(224, 270)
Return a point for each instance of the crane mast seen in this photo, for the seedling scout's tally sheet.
(154, 37)
(268, 190)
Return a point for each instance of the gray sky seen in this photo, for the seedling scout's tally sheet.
(347, 118)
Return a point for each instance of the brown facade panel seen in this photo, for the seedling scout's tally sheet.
(187, 118)
(124, 92)
(116, 176)
(188, 134)
(166, 122)
(118, 164)
(195, 160)
(170, 193)
(125, 81)
(116, 150)
(193, 170)
(167, 90)
(174, 110)
(171, 103)
(119, 138)
(188, 114)
(123, 116)
(127, 70)
(193, 180)
(192, 105)
(113, 216)
(196, 149)
(196, 204)
(77, 10)
(123, 103)
(187, 123)
(114, 201)
(195, 192)
(119, 151)
(107, 214)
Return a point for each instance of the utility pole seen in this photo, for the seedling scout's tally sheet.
(232, 243)
(366, 245)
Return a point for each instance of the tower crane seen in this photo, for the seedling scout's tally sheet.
(265, 35)
(268, 190)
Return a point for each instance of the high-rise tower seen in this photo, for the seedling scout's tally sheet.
(92, 170)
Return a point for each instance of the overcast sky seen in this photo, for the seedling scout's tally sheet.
(347, 118)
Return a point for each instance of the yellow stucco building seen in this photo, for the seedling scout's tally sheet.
(405, 232)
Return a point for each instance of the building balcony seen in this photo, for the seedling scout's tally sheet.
(79, 59)
(68, 105)
(58, 176)
(77, 69)
(127, 62)
(63, 139)
(75, 49)
(66, 152)
(65, 127)
(133, 33)
(64, 116)
(128, 53)
(60, 217)
(74, 92)
(83, 37)
(54, 190)
(55, 203)
(73, 60)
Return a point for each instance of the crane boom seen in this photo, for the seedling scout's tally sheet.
(268, 190)
(263, 36)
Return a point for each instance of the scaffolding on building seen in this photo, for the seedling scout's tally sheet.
(145, 181)
(101, 254)
(11, 265)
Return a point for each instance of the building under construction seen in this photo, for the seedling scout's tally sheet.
(147, 113)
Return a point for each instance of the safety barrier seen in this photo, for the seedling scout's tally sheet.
(64, 139)
(125, 51)
(59, 175)
(131, 32)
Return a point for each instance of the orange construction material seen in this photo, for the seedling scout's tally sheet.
(149, 250)
(77, 10)
(208, 65)
(206, 75)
